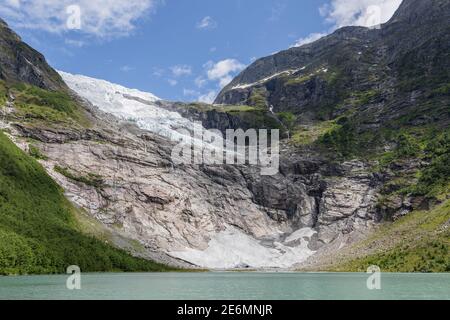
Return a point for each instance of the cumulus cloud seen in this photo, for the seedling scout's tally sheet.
(366, 13)
(218, 75)
(102, 18)
(223, 71)
(207, 23)
(181, 70)
(311, 38)
(341, 13)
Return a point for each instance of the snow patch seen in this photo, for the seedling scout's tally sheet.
(264, 80)
(233, 249)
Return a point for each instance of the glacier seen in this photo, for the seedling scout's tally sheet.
(129, 105)
(232, 249)
(228, 249)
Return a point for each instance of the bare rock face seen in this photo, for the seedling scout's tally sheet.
(21, 63)
(211, 216)
(387, 65)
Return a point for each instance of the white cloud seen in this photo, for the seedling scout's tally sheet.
(341, 13)
(74, 43)
(102, 18)
(208, 97)
(366, 13)
(220, 74)
(158, 72)
(126, 68)
(277, 11)
(13, 3)
(200, 82)
(222, 71)
(181, 70)
(311, 38)
(190, 92)
(207, 23)
(172, 82)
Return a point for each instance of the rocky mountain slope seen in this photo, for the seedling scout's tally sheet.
(40, 230)
(21, 63)
(373, 76)
(245, 219)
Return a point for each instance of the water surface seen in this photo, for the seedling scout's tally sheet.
(228, 286)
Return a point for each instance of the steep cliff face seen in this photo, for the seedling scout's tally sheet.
(21, 63)
(212, 216)
(376, 76)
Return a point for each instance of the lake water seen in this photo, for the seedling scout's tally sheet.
(228, 286)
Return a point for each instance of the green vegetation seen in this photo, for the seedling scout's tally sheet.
(251, 116)
(364, 97)
(309, 134)
(299, 80)
(418, 242)
(258, 99)
(36, 153)
(260, 119)
(91, 179)
(343, 138)
(331, 76)
(38, 229)
(3, 93)
(434, 180)
(203, 107)
(234, 109)
(442, 90)
(288, 118)
(427, 143)
(51, 107)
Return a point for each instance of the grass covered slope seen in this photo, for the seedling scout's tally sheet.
(418, 242)
(38, 229)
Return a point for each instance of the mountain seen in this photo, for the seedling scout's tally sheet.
(376, 94)
(128, 104)
(363, 176)
(19, 63)
(121, 174)
(374, 77)
(40, 230)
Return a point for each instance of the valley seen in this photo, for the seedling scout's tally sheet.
(88, 177)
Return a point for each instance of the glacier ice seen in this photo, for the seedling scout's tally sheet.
(232, 248)
(129, 105)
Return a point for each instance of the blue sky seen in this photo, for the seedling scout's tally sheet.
(176, 49)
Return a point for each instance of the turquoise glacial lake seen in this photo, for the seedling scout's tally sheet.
(228, 286)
